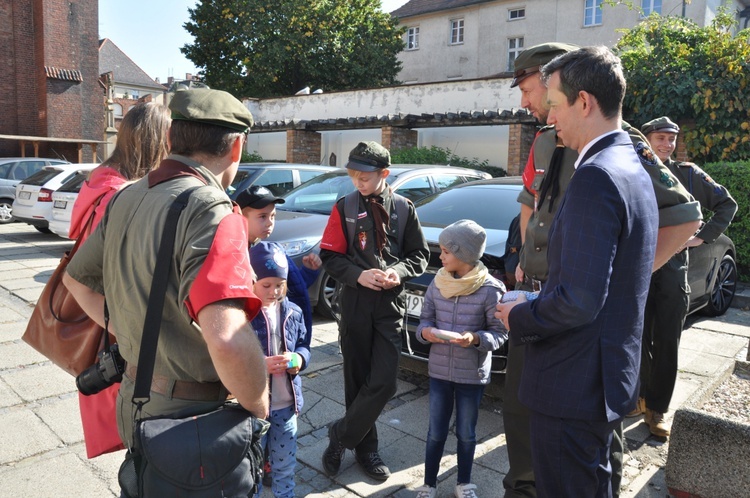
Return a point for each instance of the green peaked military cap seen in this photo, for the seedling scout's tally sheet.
(533, 58)
(215, 107)
(368, 157)
(663, 124)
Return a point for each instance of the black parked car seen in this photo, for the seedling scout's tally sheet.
(492, 204)
(279, 178)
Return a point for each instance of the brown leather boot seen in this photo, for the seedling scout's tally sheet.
(656, 423)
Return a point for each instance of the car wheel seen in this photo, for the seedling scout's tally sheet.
(6, 211)
(724, 288)
(43, 229)
(327, 289)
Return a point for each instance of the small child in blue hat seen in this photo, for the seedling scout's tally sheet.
(282, 333)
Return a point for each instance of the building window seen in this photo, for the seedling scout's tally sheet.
(515, 46)
(592, 12)
(457, 31)
(514, 14)
(117, 110)
(412, 38)
(649, 6)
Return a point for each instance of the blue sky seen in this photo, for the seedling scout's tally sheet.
(150, 32)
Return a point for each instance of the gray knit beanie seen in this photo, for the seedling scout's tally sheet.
(465, 240)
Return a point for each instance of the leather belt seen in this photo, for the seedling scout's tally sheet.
(182, 389)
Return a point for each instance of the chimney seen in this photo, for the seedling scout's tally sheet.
(188, 76)
(170, 80)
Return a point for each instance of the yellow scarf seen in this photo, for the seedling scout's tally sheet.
(462, 286)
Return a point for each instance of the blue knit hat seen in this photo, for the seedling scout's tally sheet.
(268, 260)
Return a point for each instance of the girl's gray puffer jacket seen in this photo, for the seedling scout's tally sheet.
(472, 313)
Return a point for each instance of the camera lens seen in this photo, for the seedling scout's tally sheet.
(91, 380)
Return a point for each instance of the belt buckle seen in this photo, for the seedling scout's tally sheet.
(536, 285)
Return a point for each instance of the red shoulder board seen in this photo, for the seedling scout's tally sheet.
(226, 272)
(333, 236)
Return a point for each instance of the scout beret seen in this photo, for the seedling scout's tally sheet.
(368, 157)
(663, 124)
(533, 58)
(215, 107)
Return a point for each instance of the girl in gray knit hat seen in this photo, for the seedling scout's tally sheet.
(458, 320)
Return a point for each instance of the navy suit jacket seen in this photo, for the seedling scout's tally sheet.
(583, 333)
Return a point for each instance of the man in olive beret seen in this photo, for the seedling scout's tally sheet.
(206, 347)
(546, 176)
(358, 250)
(668, 296)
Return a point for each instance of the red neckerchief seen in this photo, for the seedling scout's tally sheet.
(169, 169)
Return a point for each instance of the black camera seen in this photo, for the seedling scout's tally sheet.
(103, 373)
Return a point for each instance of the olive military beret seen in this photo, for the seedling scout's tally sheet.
(663, 124)
(215, 107)
(368, 157)
(533, 58)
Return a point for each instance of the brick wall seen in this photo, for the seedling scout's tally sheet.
(394, 138)
(520, 138)
(303, 147)
(60, 34)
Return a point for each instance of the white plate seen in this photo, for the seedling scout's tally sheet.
(445, 335)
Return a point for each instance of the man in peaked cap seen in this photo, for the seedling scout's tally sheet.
(546, 176)
(363, 249)
(668, 295)
(206, 347)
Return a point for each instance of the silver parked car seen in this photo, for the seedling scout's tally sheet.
(300, 221)
(12, 171)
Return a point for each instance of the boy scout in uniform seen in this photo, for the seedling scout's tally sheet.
(206, 346)
(546, 176)
(372, 263)
(668, 296)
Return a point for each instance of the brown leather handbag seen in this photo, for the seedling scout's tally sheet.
(59, 328)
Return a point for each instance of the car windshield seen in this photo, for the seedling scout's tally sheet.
(319, 194)
(42, 176)
(491, 206)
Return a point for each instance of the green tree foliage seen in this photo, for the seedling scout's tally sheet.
(691, 74)
(267, 48)
(736, 178)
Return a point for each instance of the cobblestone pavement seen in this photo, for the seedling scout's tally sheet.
(41, 443)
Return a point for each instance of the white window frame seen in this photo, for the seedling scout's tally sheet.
(520, 14)
(457, 32)
(592, 13)
(515, 50)
(412, 38)
(649, 6)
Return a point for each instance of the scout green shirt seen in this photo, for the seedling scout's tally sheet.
(134, 222)
(712, 197)
(676, 205)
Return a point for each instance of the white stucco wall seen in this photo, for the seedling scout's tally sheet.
(483, 142)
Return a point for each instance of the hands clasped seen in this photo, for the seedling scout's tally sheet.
(378, 279)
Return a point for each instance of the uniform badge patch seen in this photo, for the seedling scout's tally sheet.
(666, 180)
(362, 236)
(645, 154)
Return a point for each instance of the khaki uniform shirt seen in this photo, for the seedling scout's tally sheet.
(121, 267)
(676, 205)
(712, 197)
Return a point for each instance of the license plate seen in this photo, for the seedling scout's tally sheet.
(60, 204)
(414, 304)
(24, 195)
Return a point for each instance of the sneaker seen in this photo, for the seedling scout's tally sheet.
(426, 492)
(466, 491)
(334, 453)
(657, 424)
(640, 408)
(373, 466)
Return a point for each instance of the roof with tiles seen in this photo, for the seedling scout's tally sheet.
(125, 71)
(419, 7)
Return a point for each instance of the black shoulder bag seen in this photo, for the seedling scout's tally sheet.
(209, 455)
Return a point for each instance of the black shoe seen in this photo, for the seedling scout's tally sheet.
(373, 466)
(334, 454)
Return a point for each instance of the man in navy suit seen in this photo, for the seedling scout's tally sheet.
(583, 333)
